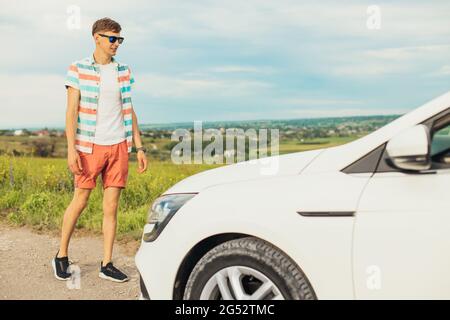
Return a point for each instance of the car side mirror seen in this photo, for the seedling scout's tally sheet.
(410, 149)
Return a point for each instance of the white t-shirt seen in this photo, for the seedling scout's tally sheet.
(109, 126)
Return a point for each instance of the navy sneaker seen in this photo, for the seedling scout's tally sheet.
(109, 272)
(60, 266)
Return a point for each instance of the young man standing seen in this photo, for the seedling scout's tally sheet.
(100, 128)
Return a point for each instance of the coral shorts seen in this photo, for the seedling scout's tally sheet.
(111, 161)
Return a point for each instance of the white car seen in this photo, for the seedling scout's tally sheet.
(366, 220)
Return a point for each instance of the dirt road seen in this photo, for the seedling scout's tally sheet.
(26, 272)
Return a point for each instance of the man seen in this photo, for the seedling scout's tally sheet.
(100, 127)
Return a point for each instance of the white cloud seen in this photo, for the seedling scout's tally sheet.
(367, 69)
(32, 100)
(406, 53)
(243, 69)
(253, 20)
(157, 85)
(305, 113)
(397, 60)
(341, 112)
(318, 101)
(443, 71)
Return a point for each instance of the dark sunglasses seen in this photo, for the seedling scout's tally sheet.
(112, 39)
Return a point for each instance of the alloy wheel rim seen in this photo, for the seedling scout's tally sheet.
(240, 283)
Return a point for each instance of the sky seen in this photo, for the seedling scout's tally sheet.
(208, 60)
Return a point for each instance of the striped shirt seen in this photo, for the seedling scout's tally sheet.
(84, 75)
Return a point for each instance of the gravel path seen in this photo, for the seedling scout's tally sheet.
(26, 272)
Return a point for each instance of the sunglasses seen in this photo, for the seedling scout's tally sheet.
(112, 39)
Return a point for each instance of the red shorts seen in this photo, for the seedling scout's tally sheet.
(111, 161)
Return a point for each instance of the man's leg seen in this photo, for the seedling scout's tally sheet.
(111, 197)
(73, 211)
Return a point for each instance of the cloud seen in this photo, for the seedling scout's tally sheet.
(158, 85)
(318, 102)
(389, 61)
(341, 112)
(32, 100)
(443, 71)
(367, 69)
(407, 53)
(243, 69)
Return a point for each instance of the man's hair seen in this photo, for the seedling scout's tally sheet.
(106, 24)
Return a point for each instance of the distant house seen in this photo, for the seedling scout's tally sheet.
(42, 133)
(18, 132)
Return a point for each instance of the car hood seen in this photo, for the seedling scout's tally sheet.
(264, 168)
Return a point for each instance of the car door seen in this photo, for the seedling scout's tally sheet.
(401, 243)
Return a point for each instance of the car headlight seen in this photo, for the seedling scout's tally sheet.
(162, 210)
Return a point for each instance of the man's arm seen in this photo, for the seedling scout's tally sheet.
(73, 97)
(142, 160)
(73, 159)
(136, 134)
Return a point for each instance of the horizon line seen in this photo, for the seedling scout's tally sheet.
(215, 121)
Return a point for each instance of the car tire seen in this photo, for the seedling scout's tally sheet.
(249, 253)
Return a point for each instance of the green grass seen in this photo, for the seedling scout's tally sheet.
(288, 146)
(36, 192)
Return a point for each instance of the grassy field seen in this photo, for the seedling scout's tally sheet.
(36, 191)
(57, 146)
(289, 146)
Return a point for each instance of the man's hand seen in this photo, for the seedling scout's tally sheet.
(142, 161)
(74, 162)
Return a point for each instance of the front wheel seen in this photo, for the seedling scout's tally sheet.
(247, 269)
